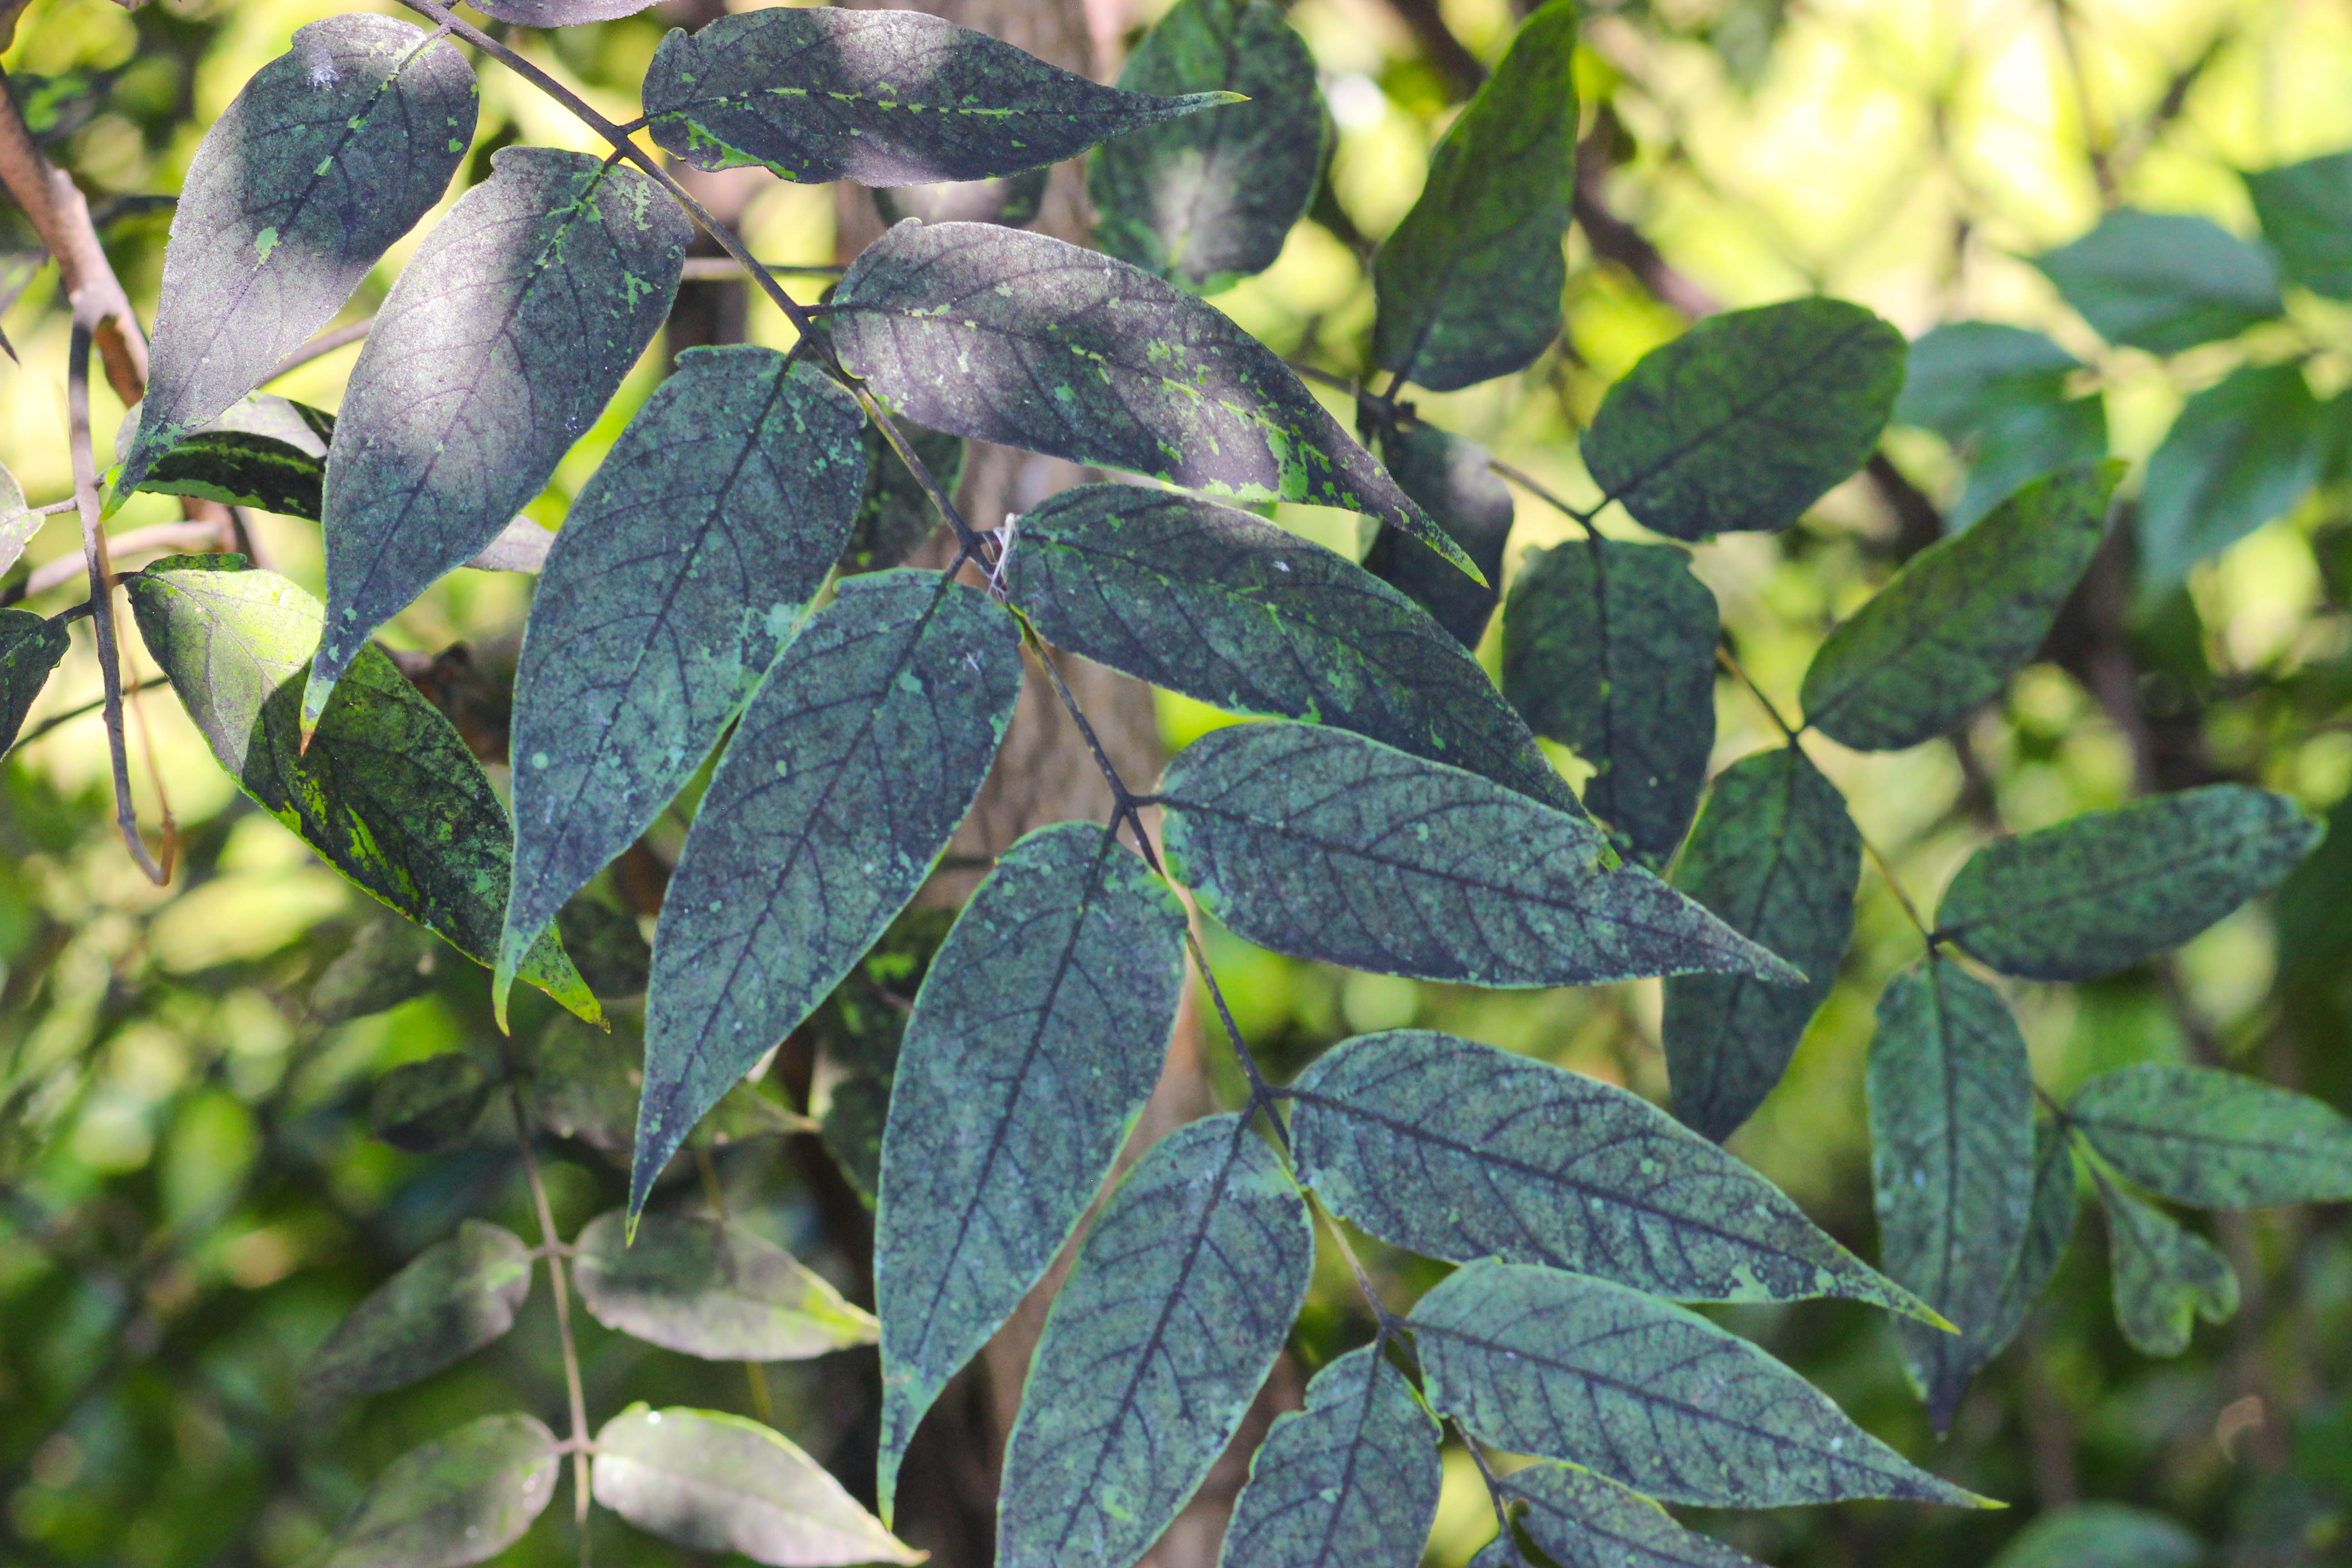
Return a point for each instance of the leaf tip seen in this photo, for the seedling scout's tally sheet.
(315, 692)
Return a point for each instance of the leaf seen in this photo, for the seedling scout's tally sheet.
(1181, 1297)
(2243, 451)
(2163, 1276)
(1948, 631)
(1462, 1152)
(2101, 1535)
(1775, 856)
(452, 1298)
(712, 1288)
(2049, 1226)
(894, 516)
(1350, 1481)
(241, 469)
(1232, 611)
(2214, 1139)
(1207, 200)
(30, 648)
(856, 1031)
(1564, 1367)
(387, 794)
(883, 98)
(424, 1106)
(584, 1084)
(559, 13)
(1748, 419)
(1467, 287)
(463, 1498)
(328, 154)
(1037, 1036)
(1583, 1521)
(447, 428)
(2306, 216)
(18, 523)
(390, 960)
(1951, 1136)
(1962, 376)
(1448, 478)
(2023, 442)
(1609, 649)
(860, 753)
(680, 571)
(2102, 890)
(1323, 845)
(716, 1482)
(1006, 336)
(2164, 281)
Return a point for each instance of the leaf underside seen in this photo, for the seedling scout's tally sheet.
(1350, 1481)
(707, 1287)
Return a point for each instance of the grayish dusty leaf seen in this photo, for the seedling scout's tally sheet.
(1564, 1367)
(447, 428)
(2306, 214)
(1181, 1299)
(329, 153)
(1961, 376)
(559, 13)
(2101, 1535)
(463, 1498)
(1448, 477)
(2215, 1139)
(2049, 1226)
(30, 646)
(1230, 610)
(1775, 856)
(716, 1482)
(1583, 1521)
(452, 1298)
(2243, 451)
(18, 523)
(680, 571)
(2022, 442)
(1323, 845)
(712, 1288)
(1035, 1039)
(2164, 1278)
(894, 516)
(1963, 616)
(883, 98)
(2164, 281)
(2102, 891)
(1745, 420)
(1350, 1481)
(1207, 200)
(860, 753)
(424, 1106)
(1462, 1151)
(521, 546)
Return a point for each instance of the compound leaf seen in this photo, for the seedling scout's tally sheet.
(1775, 856)
(463, 1498)
(30, 648)
(1462, 1151)
(2243, 451)
(1323, 845)
(2164, 1278)
(1350, 1481)
(1230, 610)
(2101, 1535)
(1964, 614)
(1447, 476)
(2306, 216)
(2101, 891)
(424, 1106)
(2164, 281)
(680, 571)
(1036, 1037)
(1203, 202)
(1609, 649)
(712, 1288)
(1745, 420)
(1583, 1521)
(329, 153)
(448, 428)
(1564, 1367)
(2214, 1139)
(863, 748)
(1960, 377)
(883, 98)
(452, 1298)
(1467, 287)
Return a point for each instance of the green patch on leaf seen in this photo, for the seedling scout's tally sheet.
(2215, 1139)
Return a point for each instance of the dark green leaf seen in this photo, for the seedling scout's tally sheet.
(18, 523)
(1462, 1151)
(1748, 419)
(2164, 1276)
(387, 794)
(447, 428)
(857, 1031)
(559, 13)
(584, 1082)
(424, 1106)
(30, 648)
(2164, 281)
(716, 1482)
(389, 961)
(1158, 1341)
(1037, 1036)
(2218, 1139)
(453, 1298)
(681, 570)
(1227, 608)
(611, 953)
(860, 753)
(1962, 375)
(2101, 1535)
(2243, 451)
(241, 469)
(1609, 649)
(2306, 214)
(2022, 443)
(332, 152)
(1467, 287)
(883, 98)
(1205, 201)
(1503, 1552)
(463, 1498)
(1951, 1163)
(1448, 478)
(712, 1288)
(1350, 1481)
(1963, 616)
(1775, 856)
(1012, 337)
(1323, 845)
(2102, 891)
(1564, 1367)
(1583, 1521)
(895, 515)
(2049, 1226)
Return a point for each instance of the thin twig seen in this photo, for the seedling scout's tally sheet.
(53, 574)
(561, 1291)
(84, 711)
(723, 268)
(1534, 488)
(58, 214)
(1730, 662)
